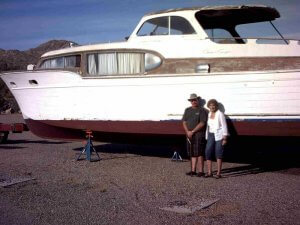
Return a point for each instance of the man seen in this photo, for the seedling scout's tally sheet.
(194, 124)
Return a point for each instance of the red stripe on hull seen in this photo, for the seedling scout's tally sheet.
(265, 128)
(135, 127)
(149, 131)
(107, 131)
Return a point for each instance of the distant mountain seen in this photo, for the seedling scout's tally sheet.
(18, 60)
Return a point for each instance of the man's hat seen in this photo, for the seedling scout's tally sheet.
(193, 96)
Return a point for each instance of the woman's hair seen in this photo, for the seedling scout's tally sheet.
(214, 102)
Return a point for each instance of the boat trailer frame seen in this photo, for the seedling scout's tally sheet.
(5, 128)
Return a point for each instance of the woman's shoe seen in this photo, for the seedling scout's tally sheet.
(191, 173)
(208, 175)
(218, 176)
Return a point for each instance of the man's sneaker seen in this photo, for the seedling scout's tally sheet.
(200, 174)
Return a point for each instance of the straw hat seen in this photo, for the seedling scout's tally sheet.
(193, 96)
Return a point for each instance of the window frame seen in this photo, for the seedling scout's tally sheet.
(78, 62)
(88, 75)
(169, 28)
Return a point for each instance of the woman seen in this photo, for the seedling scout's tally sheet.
(216, 135)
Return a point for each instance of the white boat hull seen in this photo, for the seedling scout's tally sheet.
(67, 100)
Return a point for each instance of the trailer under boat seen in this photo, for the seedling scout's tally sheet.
(6, 128)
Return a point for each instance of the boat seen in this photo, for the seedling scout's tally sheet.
(137, 89)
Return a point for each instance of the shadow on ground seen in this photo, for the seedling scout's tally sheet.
(11, 144)
(14, 144)
(138, 150)
(261, 154)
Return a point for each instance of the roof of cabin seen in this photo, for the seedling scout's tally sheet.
(209, 17)
(243, 13)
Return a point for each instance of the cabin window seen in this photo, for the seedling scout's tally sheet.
(115, 63)
(181, 26)
(61, 62)
(219, 26)
(236, 25)
(220, 36)
(264, 32)
(155, 26)
(167, 25)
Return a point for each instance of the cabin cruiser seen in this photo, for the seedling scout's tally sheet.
(138, 89)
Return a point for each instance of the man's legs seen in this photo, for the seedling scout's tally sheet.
(193, 167)
(200, 164)
(193, 164)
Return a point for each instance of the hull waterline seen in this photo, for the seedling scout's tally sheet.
(150, 132)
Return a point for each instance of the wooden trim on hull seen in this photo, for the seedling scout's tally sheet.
(174, 66)
(177, 66)
(152, 131)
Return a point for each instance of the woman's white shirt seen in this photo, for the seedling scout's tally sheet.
(217, 125)
(211, 125)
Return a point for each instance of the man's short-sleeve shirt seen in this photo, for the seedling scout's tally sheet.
(193, 116)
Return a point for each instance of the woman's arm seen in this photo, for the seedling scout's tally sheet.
(224, 127)
(223, 124)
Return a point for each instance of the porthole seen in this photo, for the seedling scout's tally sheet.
(33, 82)
(13, 84)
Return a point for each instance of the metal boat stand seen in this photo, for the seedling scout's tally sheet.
(176, 157)
(89, 147)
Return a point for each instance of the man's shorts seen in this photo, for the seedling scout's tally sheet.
(196, 146)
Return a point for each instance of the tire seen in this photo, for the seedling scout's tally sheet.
(3, 137)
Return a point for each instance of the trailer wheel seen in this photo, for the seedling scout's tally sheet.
(3, 137)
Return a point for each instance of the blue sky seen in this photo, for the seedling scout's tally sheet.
(25, 24)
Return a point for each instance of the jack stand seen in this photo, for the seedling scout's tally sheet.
(176, 157)
(89, 147)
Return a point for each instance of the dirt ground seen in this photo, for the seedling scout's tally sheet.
(133, 184)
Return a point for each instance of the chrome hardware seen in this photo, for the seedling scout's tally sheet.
(202, 68)
(151, 61)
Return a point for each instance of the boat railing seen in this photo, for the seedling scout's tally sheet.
(256, 40)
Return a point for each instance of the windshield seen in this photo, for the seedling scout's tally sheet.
(166, 25)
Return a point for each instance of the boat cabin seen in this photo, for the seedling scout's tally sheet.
(186, 41)
(216, 23)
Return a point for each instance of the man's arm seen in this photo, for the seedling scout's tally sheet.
(186, 130)
(185, 127)
(198, 127)
(188, 133)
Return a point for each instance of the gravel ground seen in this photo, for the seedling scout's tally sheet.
(130, 184)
